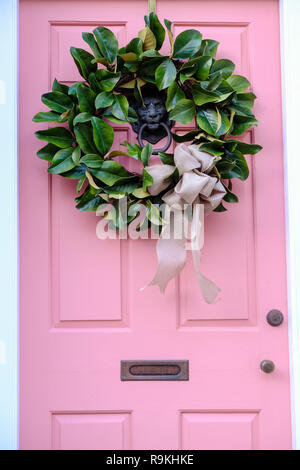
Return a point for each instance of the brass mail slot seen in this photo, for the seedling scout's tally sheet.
(154, 370)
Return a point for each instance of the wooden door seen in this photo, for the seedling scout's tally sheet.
(82, 310)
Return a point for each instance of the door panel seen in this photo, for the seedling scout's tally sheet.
(82, 310)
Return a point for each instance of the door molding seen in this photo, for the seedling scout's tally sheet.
(9, 341)
(290, 71)
(9, 221)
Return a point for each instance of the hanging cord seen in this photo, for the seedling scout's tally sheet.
(152, 6)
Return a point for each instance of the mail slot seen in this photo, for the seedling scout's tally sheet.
(154, 370)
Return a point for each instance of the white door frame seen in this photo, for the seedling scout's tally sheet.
(9, 341)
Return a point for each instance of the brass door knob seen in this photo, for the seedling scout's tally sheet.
(267, 366)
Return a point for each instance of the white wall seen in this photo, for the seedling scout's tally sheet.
(9, 227)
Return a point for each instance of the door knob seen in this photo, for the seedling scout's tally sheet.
(267, 366)
(274, 317)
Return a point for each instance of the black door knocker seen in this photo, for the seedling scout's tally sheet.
(153, 124)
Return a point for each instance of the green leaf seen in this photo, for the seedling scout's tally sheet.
(82, 117)
(183, 112)
(187, 44)
(245, 99)
(135, 46)
(56, 135)
(62, 161)
(57, 101)
(203, 68)
(214, 148)
(185, 137)
(48, 152)
(123, 188)
(73, 89)
(111, 172)
(86, 99)
(48, 117)
(215, 82)
(242, 124)
(94, 83)
(146, 154)
(223, 66)
(92, 160)
(167, 158)
(165, 74)
(83, 61)
(240, 169)
(220, 208)
(90, 40)
(80, 183)
(170, 34)
(238, 83)
(148, 38)
(209, 47)
(76, 154)
(104, 99)
(76, 173)
(120, 107)
(107, 43)
(134, 150)
(60, 87)
(84, 137)
(175, 94)
(230, 196)
(153, 214)
(108, 80)
(241, 110)
(103, 135)
(213, 122)
(157, 29)
(147, 179)
(246, 149)
(89, 200)
(202, 96)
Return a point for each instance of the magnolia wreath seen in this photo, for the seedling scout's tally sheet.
(190, 86)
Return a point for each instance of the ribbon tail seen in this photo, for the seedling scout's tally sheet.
(171, 255)
(208, 288)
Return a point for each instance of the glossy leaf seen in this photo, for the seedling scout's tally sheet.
(214, 148)
(175, 94)
(48, 152)
(242, 124)
(108, 80)
(82, 117)
(107, 42)
(165, 74)
(146, 154)
(185, 137)
(148, 39)
(92, 160)
(103, 135)
(58, 136)
(83, 61)
(240, 169)
(246, 149)
(56, 86)
(202, 96)
(187, 44)
(120, 107)
(110, 173)
(104, 99)
(183, 112)
(153, 214)
(48, 117)
(86, 99)
(62, 161)
(170, 34)
(76, 154)
(213, 122)
(223, 66)
(238, 83)
(90, 40)
(157, 29)
(209, 47)
(57, 101)
(84, 137)
(136, 46)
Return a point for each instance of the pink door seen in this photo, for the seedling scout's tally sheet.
(82, 310)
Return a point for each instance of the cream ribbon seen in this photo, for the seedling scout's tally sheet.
(195, 187)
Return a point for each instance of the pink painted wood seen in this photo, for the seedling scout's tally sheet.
(81, 307)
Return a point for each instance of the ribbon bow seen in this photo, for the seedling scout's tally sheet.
(195, 187)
